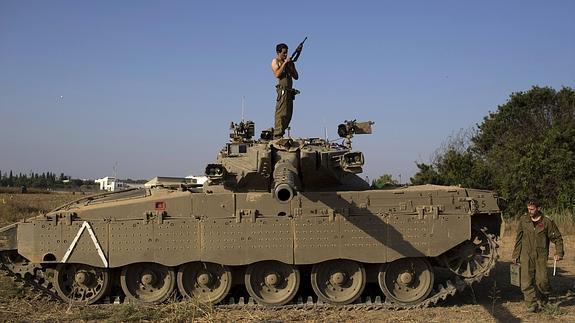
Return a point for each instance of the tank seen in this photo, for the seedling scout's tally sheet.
(279, 221)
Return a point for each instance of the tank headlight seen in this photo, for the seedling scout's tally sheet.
(214, 171)
(352, 162)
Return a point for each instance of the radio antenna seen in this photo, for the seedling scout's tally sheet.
(243, 107)
(325, 131)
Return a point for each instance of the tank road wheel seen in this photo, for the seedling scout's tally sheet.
(81, 284)
(148, 282)
(205, 281)
(472, 258)
(406, 281)
(338, 282)
(272, 283)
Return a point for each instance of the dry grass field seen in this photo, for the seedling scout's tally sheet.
(492, 300)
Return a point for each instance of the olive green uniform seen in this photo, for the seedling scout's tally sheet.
(532, 248)
(284, 102)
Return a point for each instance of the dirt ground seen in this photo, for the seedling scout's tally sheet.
(491, 300)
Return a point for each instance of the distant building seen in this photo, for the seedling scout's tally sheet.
(110, 184)
(200, 180)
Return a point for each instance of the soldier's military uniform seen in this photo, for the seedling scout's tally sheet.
(284, 102)
(532, 248)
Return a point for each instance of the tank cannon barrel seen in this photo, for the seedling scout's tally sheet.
(285, 177)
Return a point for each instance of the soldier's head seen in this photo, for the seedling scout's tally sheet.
(282, 50)
(533, 206)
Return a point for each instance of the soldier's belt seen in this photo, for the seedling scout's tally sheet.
(288, 89)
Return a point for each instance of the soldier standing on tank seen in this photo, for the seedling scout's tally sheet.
(285, 71)
(534, 233)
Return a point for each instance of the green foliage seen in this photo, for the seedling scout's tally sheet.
(384, 181)
(426, 175)
(43, 181)
(454, 168)
(525, 148)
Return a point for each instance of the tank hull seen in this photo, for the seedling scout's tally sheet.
(172, 228)
(244, 232)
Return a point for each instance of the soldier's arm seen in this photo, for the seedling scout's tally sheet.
(556, 238)
(279, 69)
(293, 71)
(518, 241)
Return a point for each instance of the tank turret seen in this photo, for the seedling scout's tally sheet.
(288, 165)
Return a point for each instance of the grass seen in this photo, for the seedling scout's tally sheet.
(186, 311)
(9, 289)
(494, 295)
(15, 207)
(17, 305)
(113, 313)
(552, 309)
(18, 190)
(564, 218)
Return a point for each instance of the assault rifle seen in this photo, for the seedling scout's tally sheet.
(297, 52)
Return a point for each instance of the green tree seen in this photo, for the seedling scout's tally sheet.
(529, 145)
(384, 181)
(426, 175)
(464, 168)
(525, 148)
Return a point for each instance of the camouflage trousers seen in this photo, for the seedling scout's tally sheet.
(284, 109)
(535, 279)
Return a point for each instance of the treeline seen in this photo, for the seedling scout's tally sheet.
(40, 180)
(525, 148)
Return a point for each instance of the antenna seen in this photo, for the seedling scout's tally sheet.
(325, 130)
(243, 107)
(115, 168)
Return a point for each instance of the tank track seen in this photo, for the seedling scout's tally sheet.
(34, 281)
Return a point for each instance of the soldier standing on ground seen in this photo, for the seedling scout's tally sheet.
(534, 233)
(285, 71)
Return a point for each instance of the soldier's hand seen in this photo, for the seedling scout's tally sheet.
(516, 261)
(557, 257)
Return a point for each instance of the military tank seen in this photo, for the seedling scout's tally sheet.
(276, 219)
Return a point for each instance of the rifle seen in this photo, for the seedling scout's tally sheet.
(297, 52)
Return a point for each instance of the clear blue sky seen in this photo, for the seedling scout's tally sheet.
(153, 85)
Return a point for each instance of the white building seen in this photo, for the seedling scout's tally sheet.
(200, 180)
(110, 183)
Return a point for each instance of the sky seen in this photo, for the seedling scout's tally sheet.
(151, 86)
